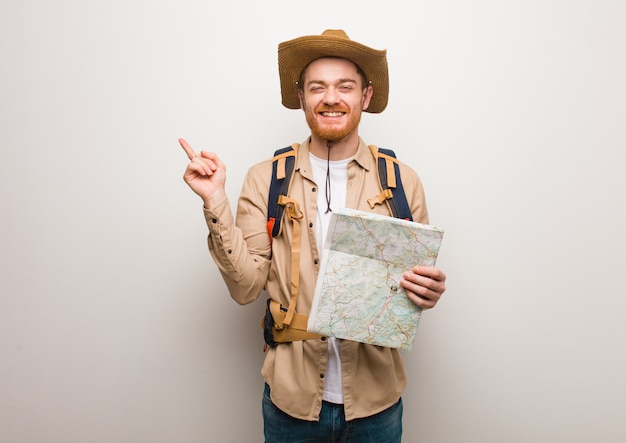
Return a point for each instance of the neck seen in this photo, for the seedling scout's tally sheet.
(339, 149)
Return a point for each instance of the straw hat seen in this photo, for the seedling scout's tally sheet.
(294, 55)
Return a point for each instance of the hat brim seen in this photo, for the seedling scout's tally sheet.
(294, 55)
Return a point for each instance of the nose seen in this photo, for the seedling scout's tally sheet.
(331, 96)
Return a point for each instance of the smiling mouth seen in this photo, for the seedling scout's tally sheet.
(332, 114)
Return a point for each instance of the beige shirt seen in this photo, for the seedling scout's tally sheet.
(373, 377)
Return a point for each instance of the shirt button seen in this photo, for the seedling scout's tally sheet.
(310, 225)
(214, 220)
(316, 261)
(314, 189)
(323, 339)
(321, 375)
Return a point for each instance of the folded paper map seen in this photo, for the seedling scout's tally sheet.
(358, 295)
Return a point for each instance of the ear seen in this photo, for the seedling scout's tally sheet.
(300, 97)
(367, 96)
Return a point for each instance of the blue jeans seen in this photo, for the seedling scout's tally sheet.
(279, 427)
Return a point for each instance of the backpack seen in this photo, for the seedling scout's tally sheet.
(280, 324)
(283, 164)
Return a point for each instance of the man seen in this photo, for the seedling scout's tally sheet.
(317, 389)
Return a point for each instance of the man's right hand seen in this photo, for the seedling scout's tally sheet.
(205, 175)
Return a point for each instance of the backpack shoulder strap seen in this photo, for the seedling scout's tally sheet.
(390, 184)
(283, 164)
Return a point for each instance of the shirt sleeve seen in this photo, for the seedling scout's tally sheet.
(241, 248)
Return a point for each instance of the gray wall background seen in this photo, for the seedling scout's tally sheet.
(114, 322)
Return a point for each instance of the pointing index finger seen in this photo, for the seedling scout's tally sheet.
(188, 149)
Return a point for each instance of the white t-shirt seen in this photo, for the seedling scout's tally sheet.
(338, 184)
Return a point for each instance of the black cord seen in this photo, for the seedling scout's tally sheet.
(328, 181)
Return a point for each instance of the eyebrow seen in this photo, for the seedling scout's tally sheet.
(341, 80)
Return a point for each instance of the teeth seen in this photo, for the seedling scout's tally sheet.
(333, 114)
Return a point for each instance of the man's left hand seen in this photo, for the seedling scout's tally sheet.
(424, 285)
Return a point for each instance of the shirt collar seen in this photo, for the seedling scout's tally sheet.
(363, 157)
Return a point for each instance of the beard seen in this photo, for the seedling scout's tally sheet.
(332, 132)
